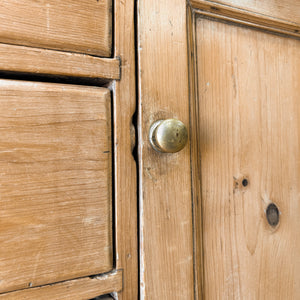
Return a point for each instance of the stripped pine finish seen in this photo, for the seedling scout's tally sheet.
(284, 11)
(52, 62)
(71, 25)
(247, 119)
(77, 289)
(55, 192)
(124, 98)
(239, 196)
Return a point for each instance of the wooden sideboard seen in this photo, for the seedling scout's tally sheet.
(90, 209)
(68, 178)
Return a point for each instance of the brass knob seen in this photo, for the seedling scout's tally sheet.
(168, 136)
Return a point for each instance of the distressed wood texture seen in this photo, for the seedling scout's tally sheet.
(247, 118)
(166, 235)
(284, 11)
(51, 62)
(126, 237)
(71, 25)
(251, 18)
(78, 289)
(55, 192)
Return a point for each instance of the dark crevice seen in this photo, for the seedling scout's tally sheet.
(113, 197)
(102, 297)
(135, 149)
(55, 79)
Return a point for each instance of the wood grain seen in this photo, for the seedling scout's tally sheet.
(40, 61)
(290, 25)
(247, 118)
(126, 206)
(78, 289)
(286, 11)
(71, 25)
(55, 192)
(166, 224)
(195, 163)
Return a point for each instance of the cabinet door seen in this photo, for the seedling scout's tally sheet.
(55, 190)
(220, 219)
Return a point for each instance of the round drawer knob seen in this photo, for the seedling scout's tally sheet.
(168, 136)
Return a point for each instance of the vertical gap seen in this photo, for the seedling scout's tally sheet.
(113, 184)
(135, 150)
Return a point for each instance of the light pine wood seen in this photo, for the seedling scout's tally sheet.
(195, 164)
(286, 24)
(78, 289)
(40, 61)
(166, 233)
(124, 97)
(55, 192)
(71, 25)
(286, 11)
(246, 123)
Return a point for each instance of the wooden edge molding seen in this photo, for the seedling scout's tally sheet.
(245, 17)
(195, 165)
(40, 61)
(83, 288)
(125, 168)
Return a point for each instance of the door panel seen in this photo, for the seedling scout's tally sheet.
(55, 192)
(232, 74)
(248, 124)
(165, 185)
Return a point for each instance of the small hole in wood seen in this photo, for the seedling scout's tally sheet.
(272, 214)
(245, 182)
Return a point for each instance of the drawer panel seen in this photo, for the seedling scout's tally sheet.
(55, 189)
(72, 25)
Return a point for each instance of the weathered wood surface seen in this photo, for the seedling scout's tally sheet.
(51, 62)
(284, 12)
(126, 206)
(166, 233)
(247, 119)
(77, 289)
(55, 191)
(71, 25)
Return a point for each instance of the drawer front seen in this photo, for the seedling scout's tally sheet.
(55, 189)
(72, 25)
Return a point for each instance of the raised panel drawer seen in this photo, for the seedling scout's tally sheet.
(71, 25)
(55, 188)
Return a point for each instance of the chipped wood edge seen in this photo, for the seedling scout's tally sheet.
(245, 17)
(51, 62)
(125, 169)
(76, 289)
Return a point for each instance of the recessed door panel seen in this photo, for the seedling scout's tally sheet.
(247, 118)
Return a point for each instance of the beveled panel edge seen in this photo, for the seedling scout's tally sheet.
(195, 166)
(51, 62)
(245, 17)
(87, 287)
